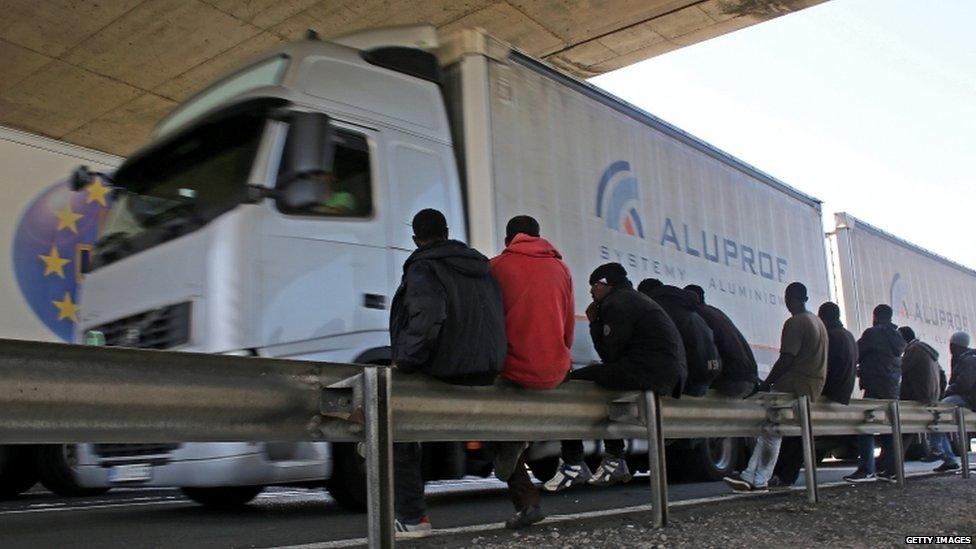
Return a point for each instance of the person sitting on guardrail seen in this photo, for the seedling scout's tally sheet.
(838, 386)
(800, 369)
(540, 318)
(961, 391)
(446, 321)
(879, 358)
(641, 350)
(740, 373)
(704, 363)
(920, 382)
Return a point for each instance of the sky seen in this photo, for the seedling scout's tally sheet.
(868, 105)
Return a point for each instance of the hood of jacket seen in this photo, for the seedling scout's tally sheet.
(531, 246)
(832, 324)
(925, 347)
(892, 337)
(676, 295)
(453, 254)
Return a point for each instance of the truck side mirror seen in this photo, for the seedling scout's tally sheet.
(309, 148)
(303, 193)
(81, 177)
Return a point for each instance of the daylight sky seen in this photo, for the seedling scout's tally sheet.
(868, 105)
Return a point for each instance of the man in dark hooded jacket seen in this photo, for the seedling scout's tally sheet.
(704, 364)
(447, 321)
(960, 392)
(641, 350)
(879, 356)
(919, 370)
(740, 373)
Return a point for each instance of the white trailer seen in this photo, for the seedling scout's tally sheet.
(218, 245)
(929, 293)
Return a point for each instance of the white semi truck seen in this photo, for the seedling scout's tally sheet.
(223, 238)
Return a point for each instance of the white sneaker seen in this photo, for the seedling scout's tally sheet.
(406, 530)
(611, 471)
(568, 475)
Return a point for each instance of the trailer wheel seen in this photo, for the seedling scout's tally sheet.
(348, 482)
(56, 465)
(712, 459)
(18, 470)
(222, 497)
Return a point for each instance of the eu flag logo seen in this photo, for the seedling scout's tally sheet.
(53, 238)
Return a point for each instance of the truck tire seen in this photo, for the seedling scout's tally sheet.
(18, 470)
(712, 459)
(348, 482)
(55, 467)
(222, 497)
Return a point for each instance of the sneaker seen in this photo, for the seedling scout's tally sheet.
(885, 476)
(775, 483)
(507, 455)
(611, 471)
(946, 467)
(525, 518)
(860, 476)
(568, 475)
(409, 530)
(738, 484)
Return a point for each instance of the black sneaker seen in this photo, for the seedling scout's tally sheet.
(858, 477)
(525, 518)
(738, 484)
(507, 455)
(946, 467)
(775, 483)
(885, 476)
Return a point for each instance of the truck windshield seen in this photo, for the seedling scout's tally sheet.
(179, 187)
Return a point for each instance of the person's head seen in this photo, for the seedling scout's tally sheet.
(882, 314)
(907, 334)
(698, 291)
(606, 278)
(429, 226)
(648, 285)
(829, 312)
(524, 224)
(958, 343)
(796, 297)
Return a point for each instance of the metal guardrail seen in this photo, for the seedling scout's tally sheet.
(53, 393)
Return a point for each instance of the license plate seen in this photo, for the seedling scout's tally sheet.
(130, 473)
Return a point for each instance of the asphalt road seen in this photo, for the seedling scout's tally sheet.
(283, 516)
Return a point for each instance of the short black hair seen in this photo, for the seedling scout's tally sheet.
(796, 290)
(525, 224)
(907, 333)
(648, 285)
(883, 313)
(429, 224)
(698, 291)
(829, 311)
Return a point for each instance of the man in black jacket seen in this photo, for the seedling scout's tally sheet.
(961, 392)
(740, 373)
(704, 364)
(640, 349)
(447, 321)
(879, 355)
(838, 386)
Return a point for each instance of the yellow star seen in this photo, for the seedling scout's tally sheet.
(53, 262)
(67, 219)
(96, 192)
(67, 308)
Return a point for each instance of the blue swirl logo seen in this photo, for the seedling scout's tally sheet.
(54, 234)
(617, 199)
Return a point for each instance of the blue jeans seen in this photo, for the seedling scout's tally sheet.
(940, 441)
(763, 460)
(865, 448)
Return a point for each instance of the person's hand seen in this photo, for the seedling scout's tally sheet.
(592, 311)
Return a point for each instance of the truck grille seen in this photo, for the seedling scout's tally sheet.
(162, 328)
(135, 450)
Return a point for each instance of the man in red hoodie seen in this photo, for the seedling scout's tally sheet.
(537, 294)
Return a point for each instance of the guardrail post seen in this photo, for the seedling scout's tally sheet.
(656, 466)
(809, 451)
(894, 418)
(379, 456)
(963, 440)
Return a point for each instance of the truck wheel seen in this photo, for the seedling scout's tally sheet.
(222, 497)
(544, 469)
(18, 470)
(348, 482)
(712, 459)
(56, 465)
